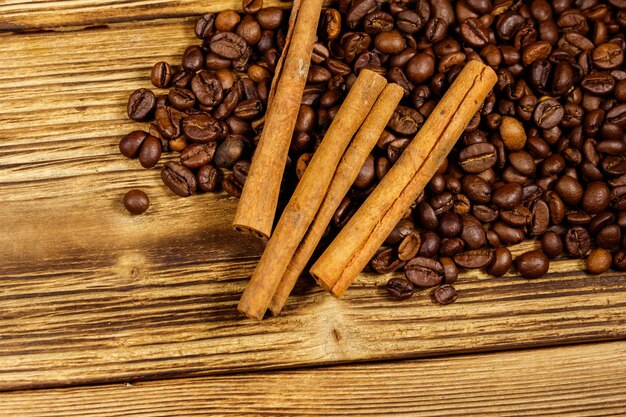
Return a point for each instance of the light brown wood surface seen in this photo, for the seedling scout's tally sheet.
(89, 294)
(568, 381)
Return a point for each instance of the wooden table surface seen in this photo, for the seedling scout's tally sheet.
(106, 314)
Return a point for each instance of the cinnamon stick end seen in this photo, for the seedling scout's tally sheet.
(250, 311)
(247, 230)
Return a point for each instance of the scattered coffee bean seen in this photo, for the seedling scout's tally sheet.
(136, 202)
(533, 264)
(445, 294)
(400, 288)
(598, 261)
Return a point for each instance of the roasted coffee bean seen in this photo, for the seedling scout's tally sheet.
(450, 271)
(570, 190)
(533, 264)
(270, 18)
(430, 244)
(598, 261)
(386, 261)
(179, 179)
(214, 61)
(252, 6)
(400, 288)
(450, 247)
(548, 114)
(136, 202)
(450, 224)
(250, 30)
(150, 152)
(518, 216)
(193, 58)
(131, 143)
(512, 133)
(473, 233)
(181, 98)
(474, 259)
(207, 88)
(141, 104)
(227, 20)
(596, 197)
(523, 162)
(229, 151)
(209, 178)
(409, 247)
(400, 231)
(405, 121)
(442, 202)
(424, 272)
(390, 42)
(205, 26)
(445, 294)
(577, 242)
(231, 186)
(551, 244)
(507, 196)
(161, 74)
(502, 261)
(508, 235)
(426, 216)
(198, 154)
(420, 68)
(484, 213)
(248, 109)
(609, 236)
(619, 260)
(478, 157)
(228, 45)
(201, 128)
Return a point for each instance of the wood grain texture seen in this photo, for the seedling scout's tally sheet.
(587, 380)
(28, 15)
(90, 294)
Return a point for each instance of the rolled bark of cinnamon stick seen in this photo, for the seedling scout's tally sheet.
(257, 206)
(306, 199)
(357, 242)
(347, 171)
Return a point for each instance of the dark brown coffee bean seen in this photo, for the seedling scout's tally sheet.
(214, 62)
(484, 213)
(231, 186)
(161, 74)
(386, 261)
(609, 236)
(502, 261)
(473, 233)
(442, 202)
(450, 247)
(426, 216)
(409, 247)
(478, 157)
(430, 244)
(131, 143)
(598, 261)
(424, 272)
(141, 104)
(193, 58)
(226, 20)
(136, 202)
(518, 216)
(250, 30)
(390, 42)
(450, 224)
(599, 221)
(570, 190)
(400, 288)
(474, 259)
(473, 33)
(450, 271)
(181, 98)
(551, 244)
(270, 18)
(228, 45)
(523, 162)
(619, 260)
(198, 154)
(508, 196)
(201, 128)
(596, 197)
(405, 121)
(209, 178)
(229, 151)
(577, 242)
(508, 235)
(445, 294)
(556, 206)
(205, 26)
(533, 264)
(248, 109)
(548, 114)
(577, 218)
(252, 6)
(150, 152)
(179, 179)
(358, 11)
(420, 68)
(207, 88)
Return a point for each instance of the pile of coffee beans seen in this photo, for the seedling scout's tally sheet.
(544, 158)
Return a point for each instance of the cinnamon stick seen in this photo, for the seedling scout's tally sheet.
(357, 242)
(259, 198)
(347, 171)
(309, 193)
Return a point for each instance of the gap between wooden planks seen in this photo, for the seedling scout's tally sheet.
(90, 294)
(584, 380)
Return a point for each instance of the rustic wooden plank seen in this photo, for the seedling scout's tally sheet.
(27, 15)
(90, 294)
(584, 380)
